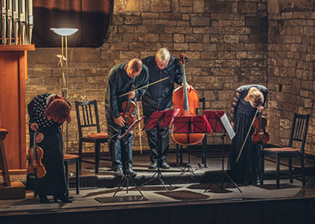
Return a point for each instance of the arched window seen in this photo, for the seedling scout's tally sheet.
(91, 17)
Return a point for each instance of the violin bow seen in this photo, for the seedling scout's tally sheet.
(239, 155)
(139, 126)
(146, 86)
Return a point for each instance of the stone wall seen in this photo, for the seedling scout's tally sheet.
(226, 43)
(291, 55)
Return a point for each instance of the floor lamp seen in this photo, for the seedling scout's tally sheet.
(64, 33)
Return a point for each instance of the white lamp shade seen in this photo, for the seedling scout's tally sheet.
(64, 31)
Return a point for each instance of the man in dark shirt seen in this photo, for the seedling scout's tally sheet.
(159, 97)
(119, 82)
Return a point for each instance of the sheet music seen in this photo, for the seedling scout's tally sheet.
(227, 126)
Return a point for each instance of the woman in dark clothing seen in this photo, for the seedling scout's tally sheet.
(47, 112)
(246, 101)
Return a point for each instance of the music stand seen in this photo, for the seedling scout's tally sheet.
(127, 176)
(157, 120)
(187, 125)
(215, 120)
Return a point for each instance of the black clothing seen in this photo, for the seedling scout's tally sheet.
(118, 83)
(241, 92)
(159, 97)
(242, 114)
(54, 182)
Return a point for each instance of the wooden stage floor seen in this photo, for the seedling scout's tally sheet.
(181, 190)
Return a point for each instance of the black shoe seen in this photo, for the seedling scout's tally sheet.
(118, 172)
(62, 198)
(153, 166)
(44, 199)
(131, 172)
(164, 165)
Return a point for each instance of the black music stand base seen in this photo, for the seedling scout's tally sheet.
(188, 167)
(158, 120)
(222, 173)
(127, 177)
(160, 177)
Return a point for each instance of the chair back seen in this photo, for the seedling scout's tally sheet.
(202, 101)
(87, 115)
(299, 130)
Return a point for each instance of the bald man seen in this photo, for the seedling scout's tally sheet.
(119, 81)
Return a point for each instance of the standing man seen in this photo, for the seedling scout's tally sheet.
(119, 81)
(159, 97)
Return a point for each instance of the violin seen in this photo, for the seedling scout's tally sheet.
(187, 102)
(260, 135)
(35, 165)
(128, 109)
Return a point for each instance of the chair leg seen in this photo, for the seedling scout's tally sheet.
(290, 170)
(204, 151)
(181, 155)
(80, 154)
(177, 155)
(77, 177)
(303, 169)
(278, 172)
(262, 167)
(67, 176)
(97, 156)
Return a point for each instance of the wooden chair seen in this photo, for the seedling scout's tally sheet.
(179, 148)
(87, 117)
(70, 159)
(297, 138)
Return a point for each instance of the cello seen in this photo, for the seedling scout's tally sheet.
(35, 166)
(187, 102)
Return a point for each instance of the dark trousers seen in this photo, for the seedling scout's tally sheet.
(156, 137)
(120, 150)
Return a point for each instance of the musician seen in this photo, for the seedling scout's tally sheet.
(159, 97)
(246, 101)
(119, 81)
(47, 112)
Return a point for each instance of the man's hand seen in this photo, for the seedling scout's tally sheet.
(131, 94)
(120, 121)
(189, 87)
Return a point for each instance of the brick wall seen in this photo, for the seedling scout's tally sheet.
(291, 74)
(226, 43)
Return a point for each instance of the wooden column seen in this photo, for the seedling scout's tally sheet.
(13, 72)
(8, 190)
